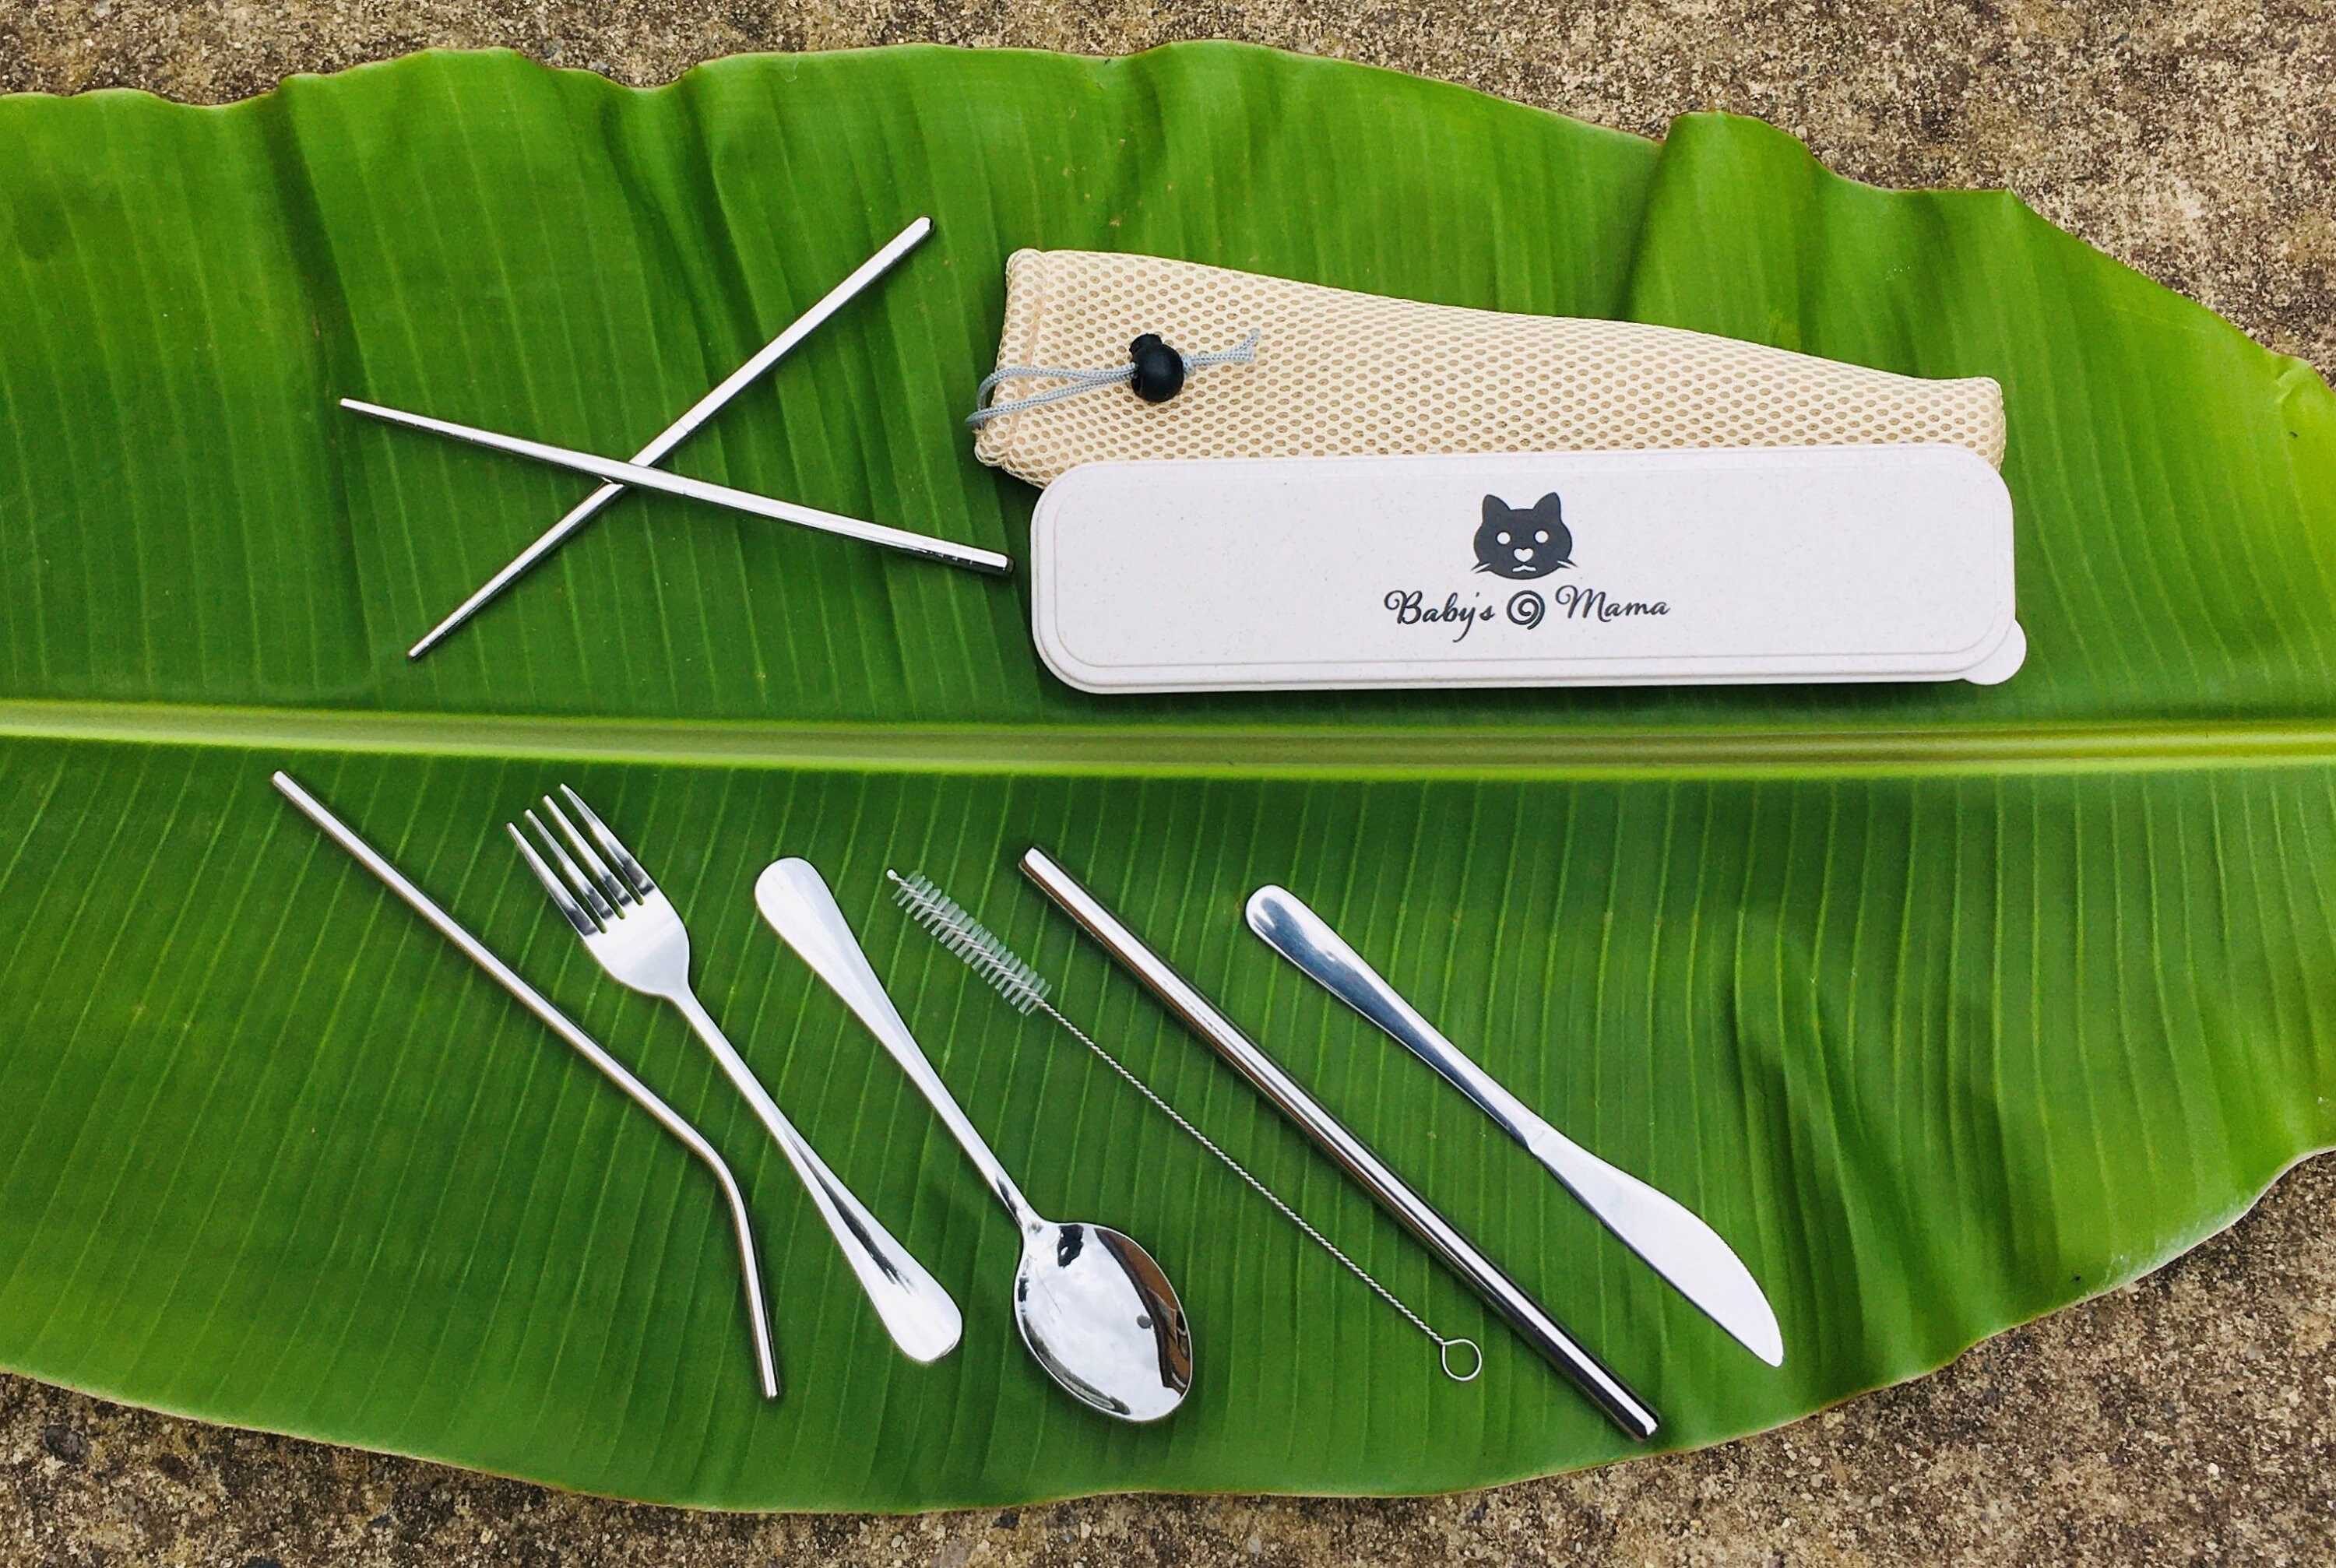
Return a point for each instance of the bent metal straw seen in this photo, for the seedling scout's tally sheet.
(535, 1002)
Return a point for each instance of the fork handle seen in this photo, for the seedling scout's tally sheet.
(922, 1319)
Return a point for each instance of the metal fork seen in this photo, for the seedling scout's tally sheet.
(638, 936)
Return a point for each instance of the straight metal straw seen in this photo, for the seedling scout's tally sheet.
(1612, 1397)
(365, 855)
(681, 429)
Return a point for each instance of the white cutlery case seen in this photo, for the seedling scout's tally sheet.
(1817, 563)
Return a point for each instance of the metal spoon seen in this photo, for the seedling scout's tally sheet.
(1093, 1306)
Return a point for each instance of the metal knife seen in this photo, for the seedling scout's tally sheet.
(1671, 1241)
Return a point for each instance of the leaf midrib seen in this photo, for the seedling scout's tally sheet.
(1213, 751)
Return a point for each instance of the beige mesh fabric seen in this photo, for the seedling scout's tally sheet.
(1340, 374)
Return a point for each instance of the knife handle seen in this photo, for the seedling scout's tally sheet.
(1287, 926)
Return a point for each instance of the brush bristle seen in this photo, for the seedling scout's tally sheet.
(971, 941)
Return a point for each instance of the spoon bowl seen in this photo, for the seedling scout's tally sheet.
(1099, 1315)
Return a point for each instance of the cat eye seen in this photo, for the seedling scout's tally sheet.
(1541, 538)
(1502, 536)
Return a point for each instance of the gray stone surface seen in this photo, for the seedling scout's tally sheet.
(2187, 1419)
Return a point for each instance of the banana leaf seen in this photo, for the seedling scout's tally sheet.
(1946, 1006)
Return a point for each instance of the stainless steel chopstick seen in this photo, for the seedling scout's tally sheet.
(534, 1001)
(682, 429)
(970, 557)
(1504, 1295)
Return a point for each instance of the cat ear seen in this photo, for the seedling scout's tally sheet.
(1496, 510)
(1550, 504)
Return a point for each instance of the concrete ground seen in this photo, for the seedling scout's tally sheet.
(2188, 1419)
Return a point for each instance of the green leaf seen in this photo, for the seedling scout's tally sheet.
(1946, 1006)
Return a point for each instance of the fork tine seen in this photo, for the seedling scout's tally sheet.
(561, 898)
(609, 842)
(586, 889)
(611, 887)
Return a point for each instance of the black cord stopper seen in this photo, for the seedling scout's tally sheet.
(1159, 370)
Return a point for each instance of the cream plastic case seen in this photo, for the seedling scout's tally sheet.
(1820, 563)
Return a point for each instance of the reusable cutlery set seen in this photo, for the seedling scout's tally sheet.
(1095, 1311)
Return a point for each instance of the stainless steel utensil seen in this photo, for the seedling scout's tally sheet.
(1026, 991)
(638, 936)
(681, 429)
(479, 953)
(971, 557)
(1672, 1241)
(1095, 1310)
(1534, 1326)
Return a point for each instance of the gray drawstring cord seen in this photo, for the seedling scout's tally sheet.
(1076, 381)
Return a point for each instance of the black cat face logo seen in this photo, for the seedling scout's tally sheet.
(1523, 544)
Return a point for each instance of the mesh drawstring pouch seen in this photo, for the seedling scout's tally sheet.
(1333, 373)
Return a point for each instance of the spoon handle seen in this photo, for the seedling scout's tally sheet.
(795, 898)
(1612, 1397)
